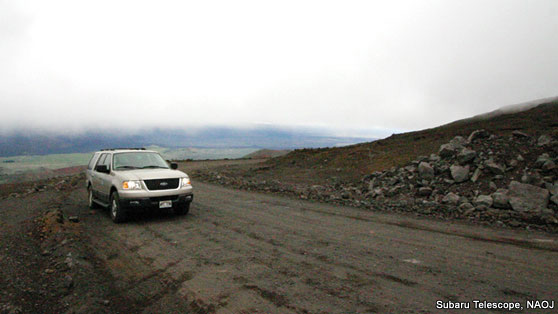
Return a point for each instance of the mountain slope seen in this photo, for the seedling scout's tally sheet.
(351, 163)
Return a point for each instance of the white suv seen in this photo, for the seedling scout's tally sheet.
(131, 178)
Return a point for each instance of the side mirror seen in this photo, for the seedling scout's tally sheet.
(174, 166)
(102, 168)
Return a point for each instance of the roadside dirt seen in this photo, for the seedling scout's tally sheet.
(245, 252)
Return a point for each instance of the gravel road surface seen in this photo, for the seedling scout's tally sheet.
(241, 252)
(245, 252)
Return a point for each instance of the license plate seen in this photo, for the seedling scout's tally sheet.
(165, 204)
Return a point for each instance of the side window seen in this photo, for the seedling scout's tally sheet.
(101, 160)
(107, 160)
(92, 161)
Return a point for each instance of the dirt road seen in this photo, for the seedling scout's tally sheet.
(242, 252)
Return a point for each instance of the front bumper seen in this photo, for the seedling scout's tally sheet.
(153, 202)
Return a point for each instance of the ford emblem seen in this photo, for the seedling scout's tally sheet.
(164, 184)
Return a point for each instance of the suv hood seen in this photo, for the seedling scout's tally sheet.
(149, 174)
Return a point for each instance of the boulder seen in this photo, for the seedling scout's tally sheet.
(476, 135)
(434, 157)
(532, 178)
(552, 188)
(466, 155)
(519, 134)
(459, 173)
(451, 199)
(424, 191)
(483, 200)
(467, 208)
(544, 140)
(476, 175)
(501, 199)
(494, 167)
(452, 148)
(425, 170)
(527, 197)
(548, 165)
(541, 160)
(554, 199)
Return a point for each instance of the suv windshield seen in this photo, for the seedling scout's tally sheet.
(144, 160)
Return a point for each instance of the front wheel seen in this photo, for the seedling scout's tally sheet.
(117, 213)
(182, 210)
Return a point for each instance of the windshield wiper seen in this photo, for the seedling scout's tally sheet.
(126, 167)
(153, 166)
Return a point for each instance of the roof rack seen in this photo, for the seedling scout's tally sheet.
(124, 148)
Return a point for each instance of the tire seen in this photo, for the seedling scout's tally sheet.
(90, 201)
(182, 210)
(117, 213)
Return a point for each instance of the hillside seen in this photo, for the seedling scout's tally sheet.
(267, 153)
(351, 163)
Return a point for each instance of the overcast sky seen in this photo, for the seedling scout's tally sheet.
(359, 67)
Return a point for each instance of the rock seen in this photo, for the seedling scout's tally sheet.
(519, 134)
(554, 199)
(528, 198)
(68, 281)
(467, 209)
(544, 140)
(424, 191)
(513, 163)
(532, 178)
(451, 148)
(476, 135)
(520, 158)
(476, 175)
(548, 165)
(69, 261)
(483, 200)
(494, 167)
(541, 160)
(49, 271)
(466, 155)
(552, 188)
(501, 199)
(492, 185)
(434, 157)
(425, 170)
(451, 199)
(459, 173)
(73, 218)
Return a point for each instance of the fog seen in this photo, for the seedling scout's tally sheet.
(362, 68)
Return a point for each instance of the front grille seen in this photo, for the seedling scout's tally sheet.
(162, 184)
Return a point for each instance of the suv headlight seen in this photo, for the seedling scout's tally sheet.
(186, 182)
(131, 185)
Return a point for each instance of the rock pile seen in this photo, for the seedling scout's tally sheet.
(502, 180)
(507, 180)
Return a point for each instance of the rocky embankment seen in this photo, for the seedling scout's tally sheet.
(500, 180)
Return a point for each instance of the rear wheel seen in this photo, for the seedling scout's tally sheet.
(117, 213)
(182, 210)
(90, 199)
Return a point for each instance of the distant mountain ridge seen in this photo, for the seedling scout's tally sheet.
(25, 143)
